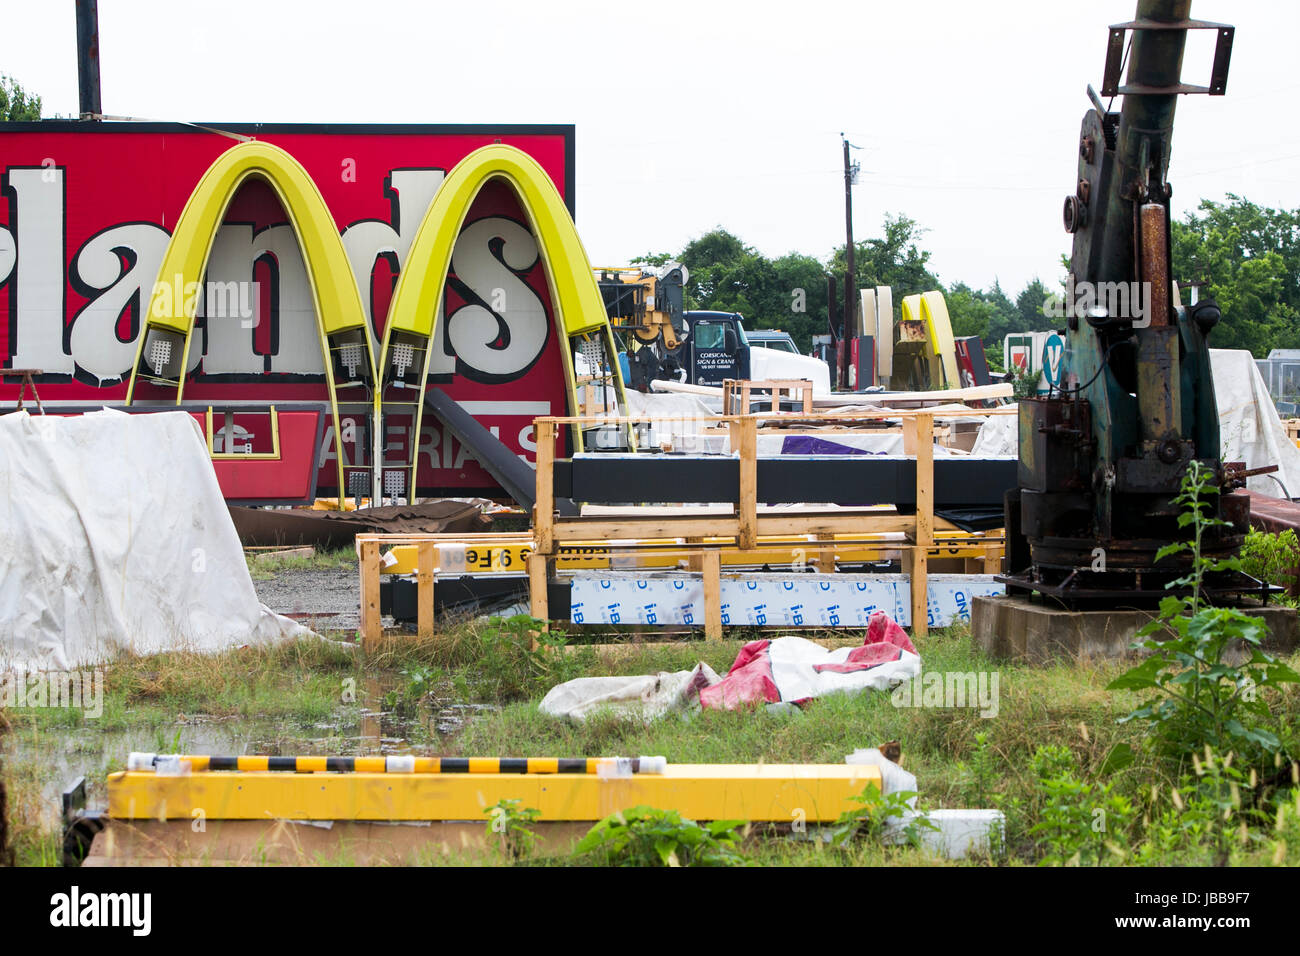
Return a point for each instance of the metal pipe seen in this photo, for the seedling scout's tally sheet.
(1156, 60)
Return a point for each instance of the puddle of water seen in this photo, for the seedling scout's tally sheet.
(376, 724)
(58, 756)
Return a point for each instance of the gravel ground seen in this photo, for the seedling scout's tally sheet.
(324, 600)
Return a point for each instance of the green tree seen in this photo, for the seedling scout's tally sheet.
(15, 104)
(790, 292)
(895, 259)
(796, 299)
(1029, 309)
(1249, 258)
(721, 269)
(654, 258)
(969, 312)
(786, 293)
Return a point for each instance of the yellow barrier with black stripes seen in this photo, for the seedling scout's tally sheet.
(304, 788)
(398, 764)
(512, 557)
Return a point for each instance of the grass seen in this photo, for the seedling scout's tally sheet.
(298, 681)
(265, 566)
(318, 696)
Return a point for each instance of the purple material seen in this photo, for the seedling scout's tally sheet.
(809, 445)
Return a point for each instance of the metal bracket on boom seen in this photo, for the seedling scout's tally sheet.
(1115, 58)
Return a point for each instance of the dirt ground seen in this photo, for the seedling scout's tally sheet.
(323, 599)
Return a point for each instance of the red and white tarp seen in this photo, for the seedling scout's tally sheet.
(793, 669)
(786, 669)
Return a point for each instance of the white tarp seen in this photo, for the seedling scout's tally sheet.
(999, 435)
(1249, 427)
(683, 425)
(114, 536)
(645, 696)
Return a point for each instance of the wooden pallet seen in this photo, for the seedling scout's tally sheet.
(737, 393)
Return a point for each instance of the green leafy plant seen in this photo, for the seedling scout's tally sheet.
(509, 825)
(1200, 698)
(1285, 838)
(1024, 383)
(646, 836)
(873, 814)
(1208, 812)
(1077, 818)
(1273, 558)
(978, 774)
(419, 682)
(163, 745)
(508, 667)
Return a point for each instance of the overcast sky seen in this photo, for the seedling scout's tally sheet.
(693, 115)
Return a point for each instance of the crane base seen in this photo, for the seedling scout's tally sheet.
(1013, 628)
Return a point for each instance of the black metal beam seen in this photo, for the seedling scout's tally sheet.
(514, 475)
(842, 480)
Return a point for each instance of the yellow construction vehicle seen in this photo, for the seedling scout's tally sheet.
(646, 309)
(645, 301)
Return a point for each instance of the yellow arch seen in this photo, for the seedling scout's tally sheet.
(334, 290)
(934, 312)
(575, 294)
(931, 309)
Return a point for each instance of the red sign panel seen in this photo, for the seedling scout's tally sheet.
(86, 211)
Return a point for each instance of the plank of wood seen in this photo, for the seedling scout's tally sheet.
(923, 426)
(972, 394)
(747, 509)
(544, 508)
(538, 601)
(371, 624)
(826, 555)
(586, 529)
(426, 565)
(275, 551)
(712, 596)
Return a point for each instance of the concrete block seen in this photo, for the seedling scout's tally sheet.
(960, 833)
(1012, 628)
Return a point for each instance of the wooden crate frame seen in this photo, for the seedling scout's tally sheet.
(800, 389)
(744, 525)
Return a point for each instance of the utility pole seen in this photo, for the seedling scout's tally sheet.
(88, 58)
(850, 280)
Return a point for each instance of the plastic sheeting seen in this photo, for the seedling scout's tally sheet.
(793, 670)
(998, 436)
(1249, 427)
(644, 696)
(787, 670)
(114, 536)
(770, 599)
(680, 429)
